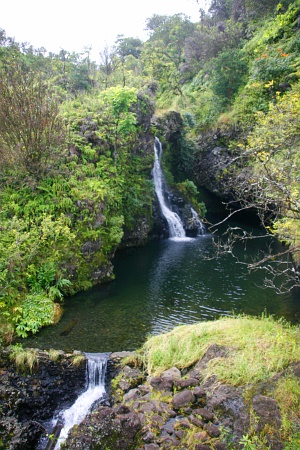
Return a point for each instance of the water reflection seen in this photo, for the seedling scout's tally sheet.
(157, 287)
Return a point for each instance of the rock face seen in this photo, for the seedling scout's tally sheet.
(28, 399)
(169, 125)
(213, 161)
(139, 236)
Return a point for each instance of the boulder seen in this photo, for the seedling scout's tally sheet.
(171, 373)
(183, 398)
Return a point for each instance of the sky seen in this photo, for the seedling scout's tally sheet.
(75, 24)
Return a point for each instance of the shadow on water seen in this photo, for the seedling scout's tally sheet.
(157, 287)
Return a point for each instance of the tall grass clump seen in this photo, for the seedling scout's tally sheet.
(24, 359)
(257, 348)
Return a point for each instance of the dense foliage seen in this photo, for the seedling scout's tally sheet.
(65, 202)
(75, 169)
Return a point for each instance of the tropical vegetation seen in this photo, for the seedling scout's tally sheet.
(75, 170)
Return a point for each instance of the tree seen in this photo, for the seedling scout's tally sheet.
(31, 132)
(208, 42)
(107, 63)
(128, 46)
(163, 53)
(228, 73)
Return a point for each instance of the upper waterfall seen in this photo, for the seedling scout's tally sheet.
(176, 229)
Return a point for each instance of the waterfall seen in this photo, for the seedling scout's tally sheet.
(196, 220)
(96, 370)
(176, 229)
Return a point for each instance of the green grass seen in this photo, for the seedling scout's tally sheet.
(24, 359)
(54, 355)
(257, 348)
(287, 395)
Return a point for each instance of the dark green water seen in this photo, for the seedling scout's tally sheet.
(160, 286)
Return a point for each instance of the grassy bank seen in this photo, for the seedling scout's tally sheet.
(258, 357)
(257, 348)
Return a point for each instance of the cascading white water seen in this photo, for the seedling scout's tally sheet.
(196, 220)
(96, 369)
(176, 229)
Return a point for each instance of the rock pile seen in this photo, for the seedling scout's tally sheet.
(174, 410)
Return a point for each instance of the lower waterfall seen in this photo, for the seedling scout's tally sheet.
(176, 229)
(96, 370)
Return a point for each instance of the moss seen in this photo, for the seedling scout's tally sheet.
(78, 360)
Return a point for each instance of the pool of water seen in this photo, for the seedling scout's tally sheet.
(157, 287)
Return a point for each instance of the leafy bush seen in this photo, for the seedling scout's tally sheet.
(35, 312)
(274, 70)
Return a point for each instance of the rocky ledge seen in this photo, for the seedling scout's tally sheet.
(29, 397)
(179, 409)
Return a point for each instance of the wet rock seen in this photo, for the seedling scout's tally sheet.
(205, 414)
(202, 447)
(195, 421)
(182, 422)
(212, 160)
(146, 407)
(139, 236)
(133, 376)
(105, 428)
(169, 442)
(183, 398)
(122, 409)
(170, 125)
(124, 385)
(169, 427)
(180, 434)
(19, 436)
(129, 379)
(148, 436)
(166, 410)
(162, 384)
(118, 356)
(267, 411)
(144, 389)
(171, 373)
(228, 402)
(133, 394)
(183, 384)
(200, 394)
(220, 446)
(151, 447)
(157, 421)
(212, 430)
